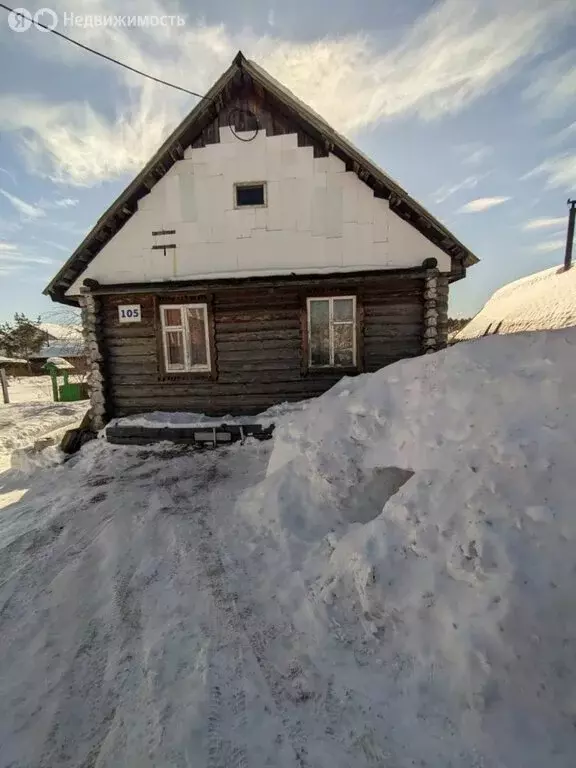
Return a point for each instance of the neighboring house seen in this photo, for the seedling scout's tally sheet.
(257, 258)
(14, 366)
(539, 302)
(61, 341)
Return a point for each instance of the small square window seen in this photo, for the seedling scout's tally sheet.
(250, 195)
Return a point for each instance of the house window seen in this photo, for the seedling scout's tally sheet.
(250, 195)
(332, 332)
(185, 337)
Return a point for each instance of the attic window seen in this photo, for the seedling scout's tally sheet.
(250, 195)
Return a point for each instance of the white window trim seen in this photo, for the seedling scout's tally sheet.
(331, 324)
(184, 329)
(250, 184)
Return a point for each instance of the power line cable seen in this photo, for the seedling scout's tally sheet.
(132, 69)
(104, 56)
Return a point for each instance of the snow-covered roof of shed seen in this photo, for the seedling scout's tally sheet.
(539, 302)
(60, 363)
(8, 360)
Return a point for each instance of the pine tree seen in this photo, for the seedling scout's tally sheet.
(21, 338)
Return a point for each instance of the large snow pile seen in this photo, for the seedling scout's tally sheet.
(539, 302)
(391, 583)
(22, 424)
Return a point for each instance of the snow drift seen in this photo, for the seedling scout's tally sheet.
(543, 301)
(461, 588)
(391, 584)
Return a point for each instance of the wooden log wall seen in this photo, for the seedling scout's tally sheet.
(258, 344)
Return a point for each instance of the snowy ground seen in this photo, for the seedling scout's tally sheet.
(390, 582)
(29, 389)
(32, 389)
(22, 424)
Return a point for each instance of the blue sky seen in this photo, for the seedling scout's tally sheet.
(469, 104)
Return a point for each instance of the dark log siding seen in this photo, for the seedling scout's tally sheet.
(258, 344)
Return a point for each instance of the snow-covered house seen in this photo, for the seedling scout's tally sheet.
(65, 341)
(539, 302)
(257, 258)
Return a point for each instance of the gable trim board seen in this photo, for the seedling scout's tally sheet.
(311, 131)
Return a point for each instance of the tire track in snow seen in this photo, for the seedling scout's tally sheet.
(231, 639)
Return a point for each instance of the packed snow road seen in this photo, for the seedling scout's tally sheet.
(130, 624)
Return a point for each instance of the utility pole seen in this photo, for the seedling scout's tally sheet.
(570, 235)
(4, 383)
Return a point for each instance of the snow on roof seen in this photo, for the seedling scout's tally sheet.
(73, 348)
(8, 360)
(543, 301)
(59, 362)
(62, 332)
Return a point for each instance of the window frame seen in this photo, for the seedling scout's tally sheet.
(184, 328)
(240, 184)
(332, 366)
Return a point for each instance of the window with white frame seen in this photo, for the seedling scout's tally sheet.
(332, 332)
(185, 337)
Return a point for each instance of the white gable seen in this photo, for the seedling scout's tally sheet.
(319, 218)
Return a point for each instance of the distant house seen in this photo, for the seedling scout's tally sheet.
(257, 258)
(14, 366)
(61, 341)
(539, 302)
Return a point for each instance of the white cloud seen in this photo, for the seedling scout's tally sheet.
(544, 223)
(9, 227)
(446, 191)
(555, 86)
(450, 57)
(7, 247)
(70, 228)
(10, 175)
(72, 143)
(560, 172)
(20, 258)
(66, 202)
(482, 204)
(474, 153)
(551, 245)
(52, 244)
(565, 133)
(26, 210)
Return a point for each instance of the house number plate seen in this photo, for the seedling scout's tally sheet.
(129, 313)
